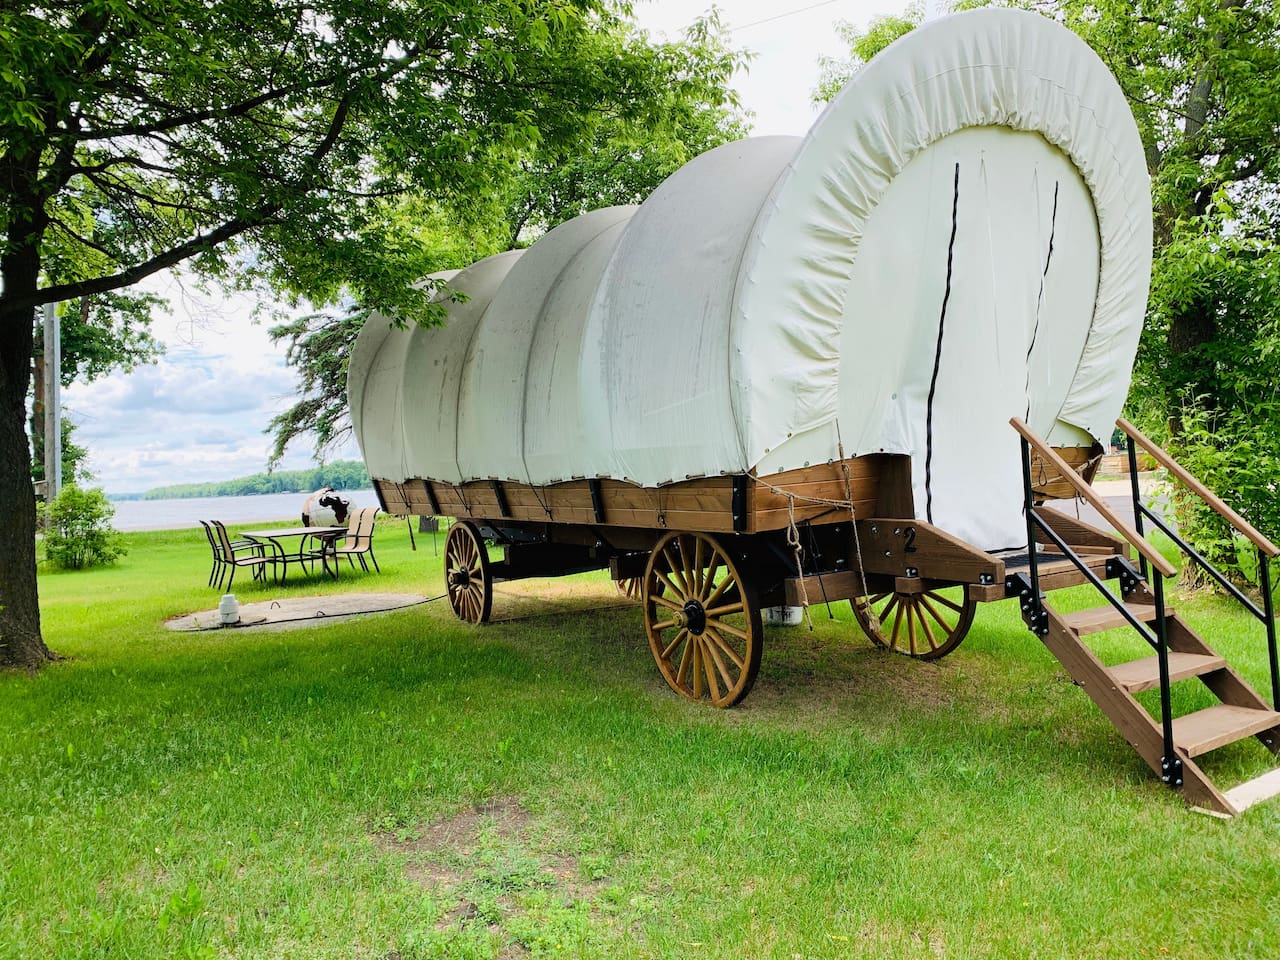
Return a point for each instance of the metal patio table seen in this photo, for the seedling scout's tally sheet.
(272, 541)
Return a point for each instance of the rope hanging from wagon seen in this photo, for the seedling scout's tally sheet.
(793, 541)
(853, 519)
(542, 503)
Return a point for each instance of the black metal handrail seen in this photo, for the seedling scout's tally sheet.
(1266, 614)
(1170, 763)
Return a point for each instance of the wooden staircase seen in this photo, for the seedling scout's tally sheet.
(1167, 743)
(1241, 714)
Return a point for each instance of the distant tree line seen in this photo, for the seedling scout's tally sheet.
(341, 475)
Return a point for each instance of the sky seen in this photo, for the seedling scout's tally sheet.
(200, 414)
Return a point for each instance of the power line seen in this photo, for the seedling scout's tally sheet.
(782, 16)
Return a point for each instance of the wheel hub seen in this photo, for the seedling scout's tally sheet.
(695, 617)
(459, 577)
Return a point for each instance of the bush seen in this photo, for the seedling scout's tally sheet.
(78, 531)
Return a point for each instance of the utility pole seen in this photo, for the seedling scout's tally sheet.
(52, 403)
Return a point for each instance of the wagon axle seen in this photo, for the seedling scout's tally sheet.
(692, 617)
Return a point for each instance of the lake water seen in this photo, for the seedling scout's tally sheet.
(172, 514)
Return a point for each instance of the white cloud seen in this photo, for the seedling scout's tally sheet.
(200, 412)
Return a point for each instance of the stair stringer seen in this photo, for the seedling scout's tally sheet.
(1130, 717)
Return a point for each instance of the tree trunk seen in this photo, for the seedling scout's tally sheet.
(20, 641)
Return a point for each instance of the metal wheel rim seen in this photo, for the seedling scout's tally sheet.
(926, 626)
(713, 660)
(464, 550)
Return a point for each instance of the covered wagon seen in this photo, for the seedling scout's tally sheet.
(789, 374)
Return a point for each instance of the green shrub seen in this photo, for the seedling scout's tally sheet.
(78, 531)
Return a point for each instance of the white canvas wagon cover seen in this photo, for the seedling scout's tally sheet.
(963, 236)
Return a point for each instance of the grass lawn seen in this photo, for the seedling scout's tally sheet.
(405, 786)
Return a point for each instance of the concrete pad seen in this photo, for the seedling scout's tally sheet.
(290, 613)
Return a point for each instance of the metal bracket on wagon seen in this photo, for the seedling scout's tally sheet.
(915, 549)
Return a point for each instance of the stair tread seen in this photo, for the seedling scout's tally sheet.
(1144, 674)
(1254, 791)
(1097, 619)
(1216, 726)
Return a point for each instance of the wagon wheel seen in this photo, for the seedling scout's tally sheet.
(630, 587)
(702, 620)
(926, 625)
(466, 573)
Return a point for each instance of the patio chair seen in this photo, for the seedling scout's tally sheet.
(219, 566)
(359, 542)
(231, 555)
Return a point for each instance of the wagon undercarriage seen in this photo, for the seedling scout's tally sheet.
(706, 556)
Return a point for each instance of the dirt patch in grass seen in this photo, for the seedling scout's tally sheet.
(502, 816)
(484, 861)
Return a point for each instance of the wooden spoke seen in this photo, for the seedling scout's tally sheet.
(892, 605)
(928, 634)
(724, 647)
(466, 572)
(945, 602)
(710, 577)
(669, 604)
(936, 620)
(933, 612)
(705, 635)
(719, 591)
(698, 674)
(679, 638)
(713, 685)
(697, 567)
(675, 566)
(727, 609)
(670, 585)
(630, 587)
(728, 628)
(685, 657)
(897, 624)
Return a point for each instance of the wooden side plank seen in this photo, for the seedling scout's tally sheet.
(1254, 791)
(700, 503)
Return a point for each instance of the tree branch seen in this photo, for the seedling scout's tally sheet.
(244, 107)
